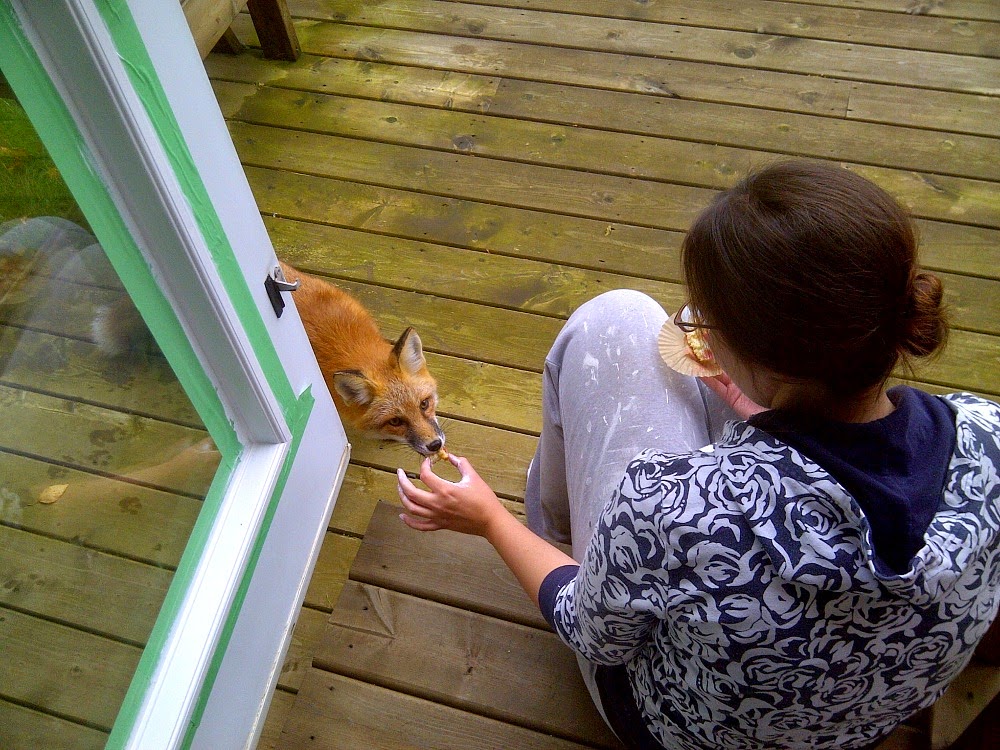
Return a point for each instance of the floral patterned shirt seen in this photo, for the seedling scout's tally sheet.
(738, 587)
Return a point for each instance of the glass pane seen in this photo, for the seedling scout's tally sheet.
(103, 463)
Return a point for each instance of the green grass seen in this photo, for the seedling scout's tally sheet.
(30, 184)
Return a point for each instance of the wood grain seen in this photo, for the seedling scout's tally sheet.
(473, 662)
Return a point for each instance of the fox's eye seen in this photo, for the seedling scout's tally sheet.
(395, 422)
(425, 404)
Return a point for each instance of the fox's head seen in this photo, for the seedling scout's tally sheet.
(396, 399)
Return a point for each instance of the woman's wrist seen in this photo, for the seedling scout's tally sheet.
(495, 524)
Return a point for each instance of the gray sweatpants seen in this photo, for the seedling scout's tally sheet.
(606, 396)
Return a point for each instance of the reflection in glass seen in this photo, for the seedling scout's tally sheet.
(103, 463)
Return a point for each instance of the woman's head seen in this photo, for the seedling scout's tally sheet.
(809, 270)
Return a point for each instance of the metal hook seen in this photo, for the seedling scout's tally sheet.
(275, 284)
(283, 284)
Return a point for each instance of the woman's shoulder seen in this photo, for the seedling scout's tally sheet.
(745, 461)
(979, 411)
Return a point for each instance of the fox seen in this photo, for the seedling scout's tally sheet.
(381, 389)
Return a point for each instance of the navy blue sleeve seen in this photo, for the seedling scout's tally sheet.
(550, 587)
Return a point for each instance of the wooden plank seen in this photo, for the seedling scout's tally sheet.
(473, 662)
(478, 392)
(861, 26)
(332, 566)
(603, 197)
(671, 78)
(78, 369)
(455, 569)
(760, 51)
(501, 230)
(974, 303)
(944, 245)
(965, 699)
(971, 361)
(75, 675)
(27, 729)
(363, 488)
(649, 156)
(641, 114)
(630, 111)
(960, 113)
(309, 627)
(333, 712)
(282, 703)
(606, 197)
(982, 9)
(905, 738)
(72, 316)
(97, 512)
(81, 587)
(91, 438)
(229, 43)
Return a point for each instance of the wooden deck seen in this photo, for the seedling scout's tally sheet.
(478, 170)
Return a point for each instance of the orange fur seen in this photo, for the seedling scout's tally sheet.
(380, 389)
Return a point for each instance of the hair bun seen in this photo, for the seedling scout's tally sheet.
(926, 325)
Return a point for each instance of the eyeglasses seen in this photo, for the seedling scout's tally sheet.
(686, 319)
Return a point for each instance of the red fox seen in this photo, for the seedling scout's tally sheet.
(381, 389)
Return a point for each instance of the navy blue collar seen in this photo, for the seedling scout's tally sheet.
(894, 467)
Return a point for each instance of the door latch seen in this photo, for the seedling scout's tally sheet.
(275, 284)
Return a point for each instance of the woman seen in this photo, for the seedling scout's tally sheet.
(787, 555)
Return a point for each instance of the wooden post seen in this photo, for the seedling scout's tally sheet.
(274, 28)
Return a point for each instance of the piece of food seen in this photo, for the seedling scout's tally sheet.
(699, 347)
(687, 353)
(441, 455)
(52, 493)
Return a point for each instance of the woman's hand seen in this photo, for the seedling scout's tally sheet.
(471, 507)
(728, 391)
(468, 506)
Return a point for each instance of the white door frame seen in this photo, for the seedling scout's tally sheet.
(119, 95)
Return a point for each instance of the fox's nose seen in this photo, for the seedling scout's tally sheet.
(434, 446)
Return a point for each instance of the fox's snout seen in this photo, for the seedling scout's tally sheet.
(419, 442)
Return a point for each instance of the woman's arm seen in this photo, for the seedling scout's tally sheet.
(471, 507)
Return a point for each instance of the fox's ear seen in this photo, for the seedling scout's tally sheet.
(353, 387)
(410, 352)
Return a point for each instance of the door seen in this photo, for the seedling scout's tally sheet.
(169, 453)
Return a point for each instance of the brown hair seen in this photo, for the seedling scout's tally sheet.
(810, 270)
